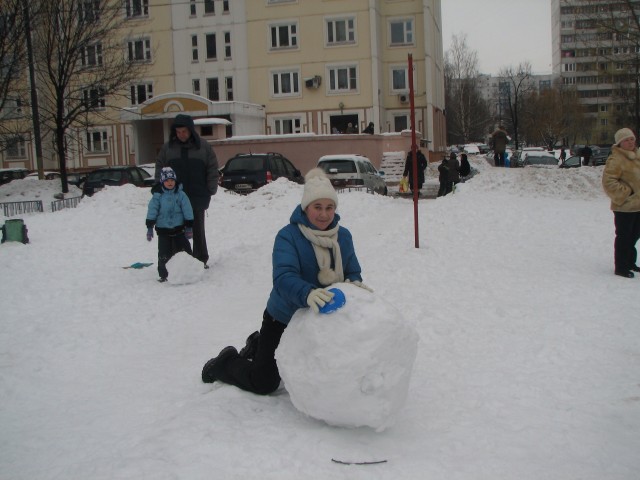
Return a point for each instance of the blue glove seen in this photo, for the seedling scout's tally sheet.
(149, 234)
(188, 232)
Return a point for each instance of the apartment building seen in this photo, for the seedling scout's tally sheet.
(597, 61)
(265, 67)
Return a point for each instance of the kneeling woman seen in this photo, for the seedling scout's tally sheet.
(309, 254)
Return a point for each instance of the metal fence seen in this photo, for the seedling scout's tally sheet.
(71, 202)
(18, 208)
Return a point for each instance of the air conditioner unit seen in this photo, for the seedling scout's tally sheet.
(313, 82)
(403, 97)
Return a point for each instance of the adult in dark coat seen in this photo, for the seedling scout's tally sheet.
(196, 166)
(443, 177)
(408, 168)
(465, 168)
(586, 155)
(454, 171)
(499, 139)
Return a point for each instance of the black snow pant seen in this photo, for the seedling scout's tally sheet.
(168, 246)
(498, 159)
(259, 375)
(199, 238)
(627, 235)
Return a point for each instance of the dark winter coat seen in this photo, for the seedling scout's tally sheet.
(465, 168)
(621, 179)
(169, 210)
(408, 168)
(454, 170)
(194, 162)
(295, 267)
(500, 140)
(443, 171)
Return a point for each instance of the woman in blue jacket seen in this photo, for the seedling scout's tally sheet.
(309, 254)
(171, 213)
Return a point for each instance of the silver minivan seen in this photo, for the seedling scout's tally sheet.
(353, 171)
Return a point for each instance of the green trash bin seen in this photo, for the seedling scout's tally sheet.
(14, 231)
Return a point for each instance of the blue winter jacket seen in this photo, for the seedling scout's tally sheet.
(295, 268)
(169, 209)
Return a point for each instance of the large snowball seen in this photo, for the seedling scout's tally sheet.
(351, 367)
(184, 269)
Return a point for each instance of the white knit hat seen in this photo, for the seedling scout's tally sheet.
(623, 134)
(316, 186)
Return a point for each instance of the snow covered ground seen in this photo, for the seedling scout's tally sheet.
(528, 363)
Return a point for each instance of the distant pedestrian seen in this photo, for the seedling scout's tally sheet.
(454, 171)
(465, 168)
(499, 140)
(408, 168)
(369, 129)
(443, 177)
(563, 155)
(586, 155)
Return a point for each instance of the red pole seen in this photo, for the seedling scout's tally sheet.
(414, 155)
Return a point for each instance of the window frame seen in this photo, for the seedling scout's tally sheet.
(331, 30)
(18, 143)
(408, 34)
(214, 45)
(90, 141)
(97, 54)
(130, 9)
(147, 55)
(99, 102)
(291, 33)
(392, 78)
(333, 74)
(134, 92)
(294, 80)
(294, 123)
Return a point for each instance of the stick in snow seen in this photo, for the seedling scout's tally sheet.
(342, 462)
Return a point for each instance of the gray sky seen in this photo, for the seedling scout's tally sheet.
(503, 32)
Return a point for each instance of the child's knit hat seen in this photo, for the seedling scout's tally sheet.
(317, 186)
(166, 174)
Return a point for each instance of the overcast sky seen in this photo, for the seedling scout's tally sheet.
(503, 32)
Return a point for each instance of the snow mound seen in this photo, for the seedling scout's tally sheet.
(184, 269)
(352, 367)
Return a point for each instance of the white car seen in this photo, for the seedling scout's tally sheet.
(471, 149)
(357, 171)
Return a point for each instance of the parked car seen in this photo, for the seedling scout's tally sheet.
(76, 178)
(115, 176)
(247, 172)
(150, 168)
(47, 175)
(353, 171)
(540, 158)
(9, 174)
(471, 149)
(518, 159)
(574, 161)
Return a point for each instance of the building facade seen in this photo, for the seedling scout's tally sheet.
(264, 67)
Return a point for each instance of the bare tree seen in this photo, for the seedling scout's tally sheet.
(12, 68)
(467, 112)
(552, 115)
(519, 87)
(80, 62)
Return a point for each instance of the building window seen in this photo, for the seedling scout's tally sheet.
(141, 92)
(16, 148)
(341, 31)
(194, 48)
(136, 8)
(92, 55)
(343, 79)
(227, 45)
(399, 79)
(287, 125)
(569, 67)
(96, 141)
(401, 32)
(604, 122)
(604, 108)
(140, 50)
(213, 89)
(228, 84)
(94, 98)
(285, 84)
(284, 36)
(196, 86)
(225, 6)
(88, 11)
(209, 7)
(210, 39)
(192, 8)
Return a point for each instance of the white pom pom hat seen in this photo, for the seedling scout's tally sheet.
(317, 186)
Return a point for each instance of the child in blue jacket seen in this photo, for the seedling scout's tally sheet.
(171, 213)
(309, 254)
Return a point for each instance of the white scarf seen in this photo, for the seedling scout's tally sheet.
(322, 240)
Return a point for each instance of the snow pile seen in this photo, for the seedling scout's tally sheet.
(351, 367)
(184, 269)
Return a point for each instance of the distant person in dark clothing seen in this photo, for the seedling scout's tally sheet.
(586, 155)
(408, 168)
(369, 129)
(465, 168)
(454, 171)
(563, 155)
(443, 177)
(196, 165)
(499, 139)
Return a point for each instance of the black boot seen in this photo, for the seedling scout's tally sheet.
(624, 273)
(211, 369)
(251, 347)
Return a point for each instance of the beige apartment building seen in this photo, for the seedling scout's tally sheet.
(247, 68)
